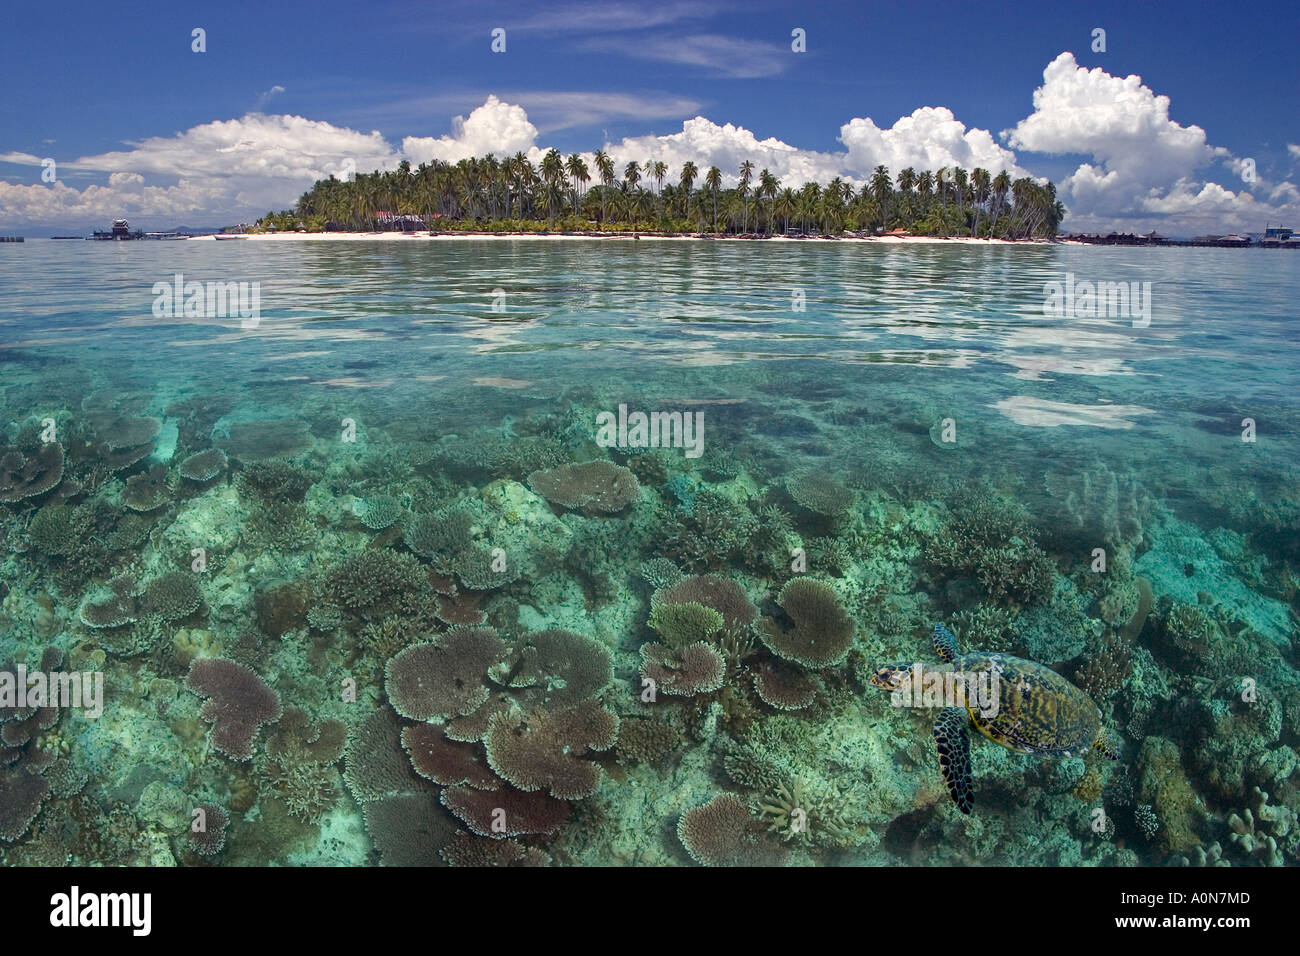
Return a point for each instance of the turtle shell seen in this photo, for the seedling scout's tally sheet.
(1037, 710)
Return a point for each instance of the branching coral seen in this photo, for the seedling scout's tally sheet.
(1266, 833)
(371, 581)
(993, 540)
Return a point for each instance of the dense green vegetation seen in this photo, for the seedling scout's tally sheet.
(511, 195)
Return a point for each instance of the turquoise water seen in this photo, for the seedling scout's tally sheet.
(902, 424)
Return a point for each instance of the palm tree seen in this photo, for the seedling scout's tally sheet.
(579, 175)
(784, 206)
(631, 175)
(713, 182)
(768, 187)
(746, 171)
(882, 190)
(689, 172)
(605, 170)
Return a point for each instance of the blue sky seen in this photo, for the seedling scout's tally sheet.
(87, 79)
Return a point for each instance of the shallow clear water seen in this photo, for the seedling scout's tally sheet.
(848, 360)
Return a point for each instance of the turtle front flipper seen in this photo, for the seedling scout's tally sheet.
(945, 644)
(953, 744)
(1103, 745)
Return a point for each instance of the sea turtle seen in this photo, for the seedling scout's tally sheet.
(1031, 709)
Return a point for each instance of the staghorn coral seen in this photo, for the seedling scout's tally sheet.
(238, 703)
(544, 749)
(29, 474)
(372, 581)
(325, 618)
(445, 677)
(148, 490)
(204, 465)
(439, 536)
(823, 631)
(642, 740)
(694, 669)
(722, 832)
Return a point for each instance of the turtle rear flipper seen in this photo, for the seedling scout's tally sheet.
(953, 744)
(945, 644)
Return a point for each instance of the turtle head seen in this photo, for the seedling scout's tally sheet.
(892, 677)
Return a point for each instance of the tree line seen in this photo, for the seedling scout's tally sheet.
(514, 195)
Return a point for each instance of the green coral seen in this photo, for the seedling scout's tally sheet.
(682, 624)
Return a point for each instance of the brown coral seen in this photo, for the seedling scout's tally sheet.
(238, 703)
(723, 833)
(697, 668)
(444, 761)
(443, 678)
(29, 475)
(822, 632)
(544, 749)
(596, 487)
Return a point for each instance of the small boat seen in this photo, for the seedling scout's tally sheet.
(236, 236)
